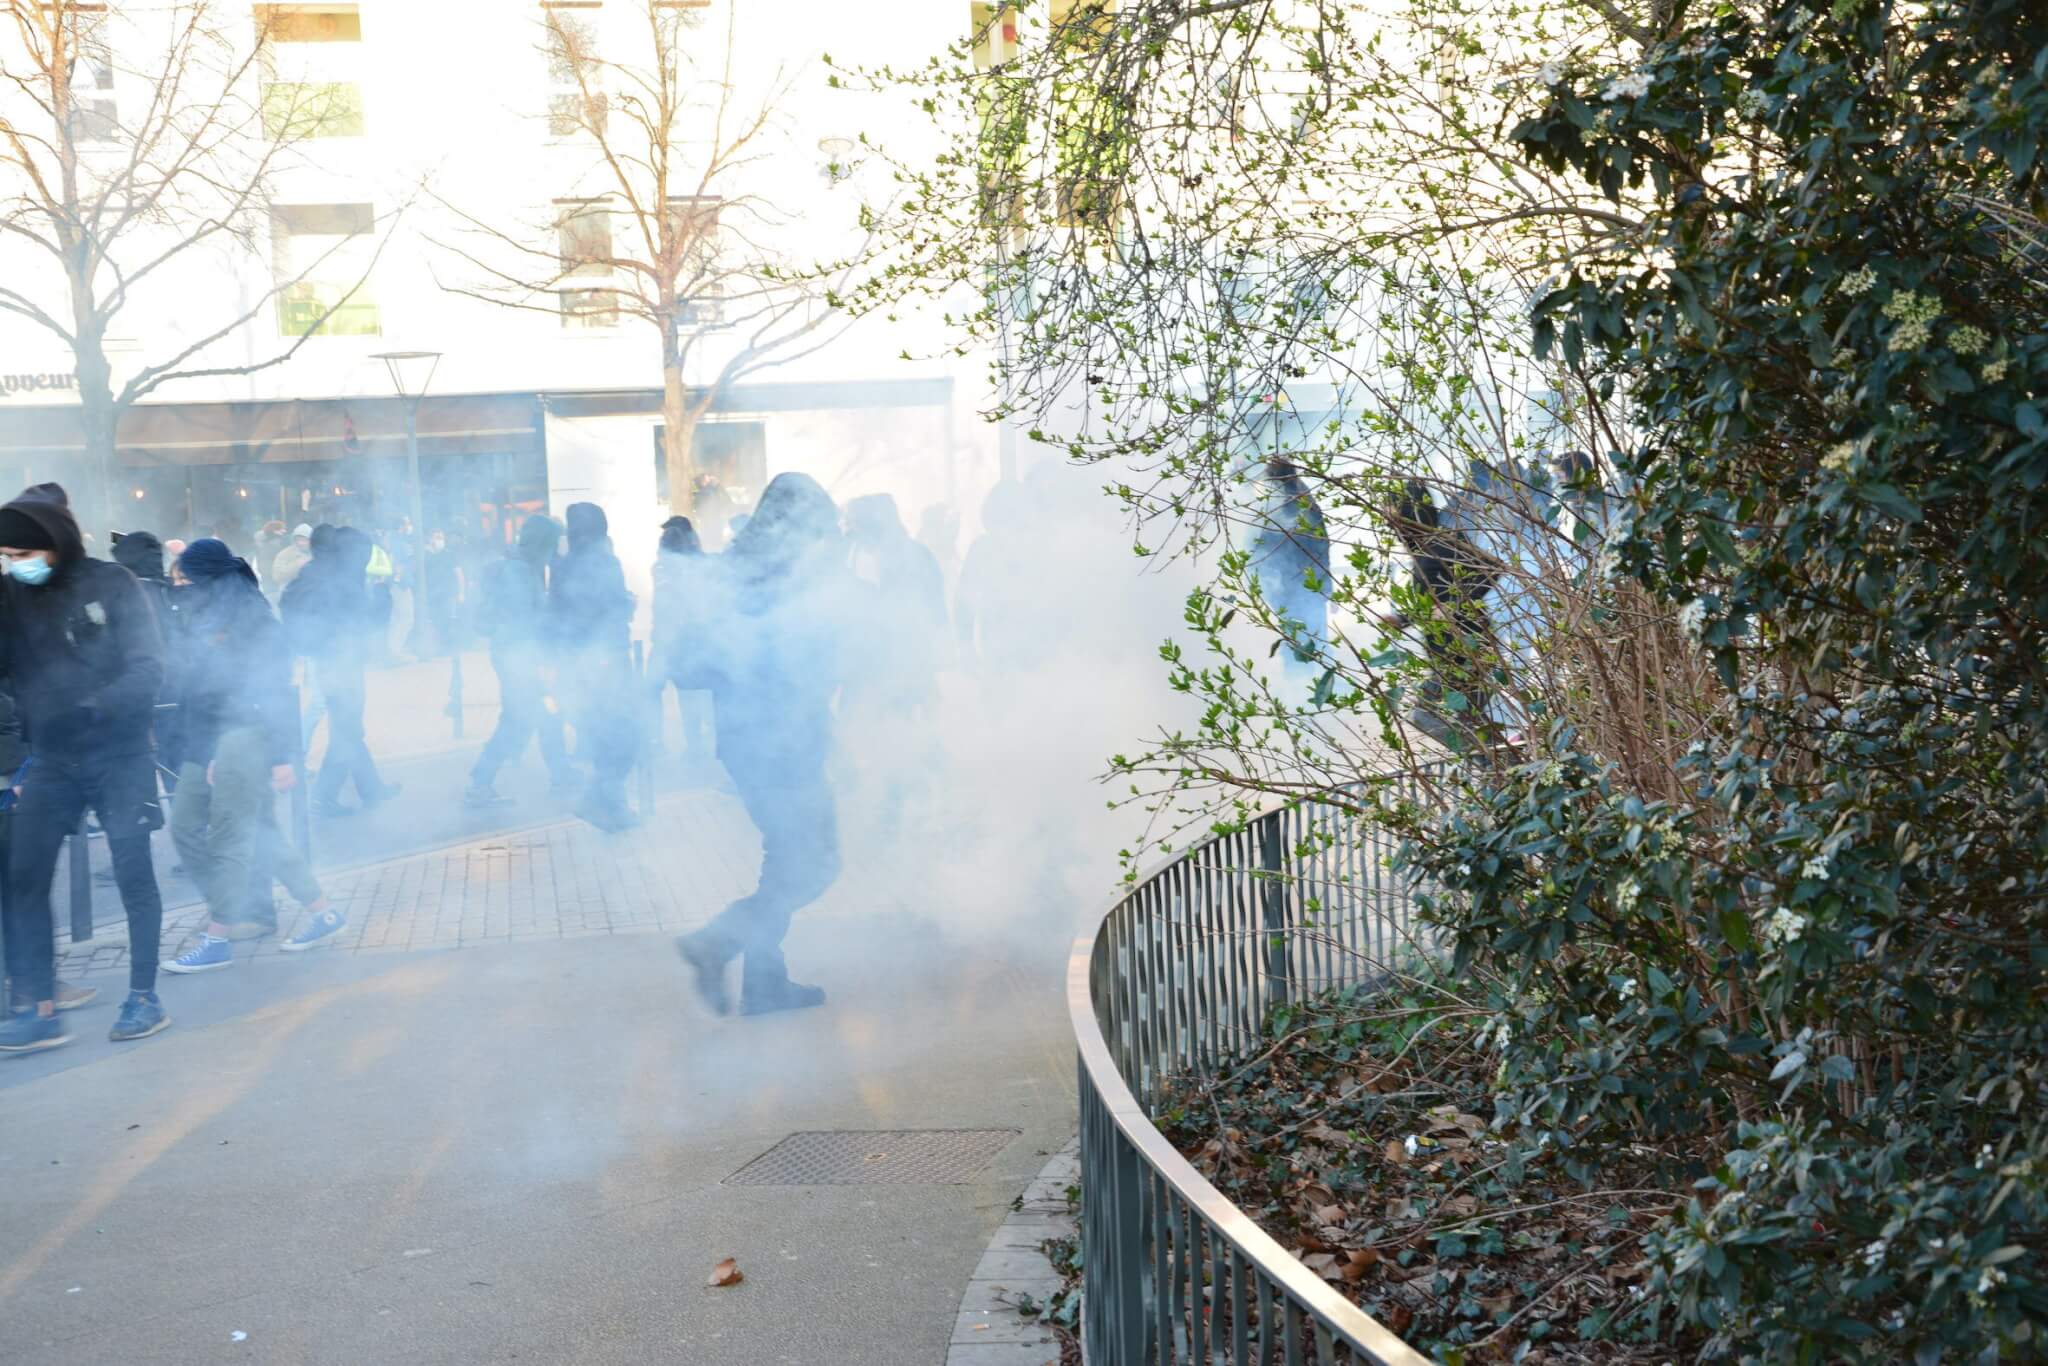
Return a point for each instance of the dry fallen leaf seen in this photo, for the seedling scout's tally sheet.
(1397, 1318)
(1396, 1152)
(726, 1273)
(1323, 1264)
(1401, 1208)
(1498, 1303)
(1329, 1214)
(1358, 1262)
(1459, 1206)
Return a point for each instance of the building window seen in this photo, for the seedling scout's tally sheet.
(589, 310)
(576, 104)
(312, 109)
(321, 255)
(93, 116)
(310, 23)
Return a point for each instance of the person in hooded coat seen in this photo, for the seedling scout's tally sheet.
(240, 735)
(85, 659)
(682, 614)
(1452, 576)
(1289, 554)
(590, 618)
(777, 666)
(331, 619)
(513, 617)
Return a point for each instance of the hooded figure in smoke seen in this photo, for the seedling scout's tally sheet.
(513, 617)
(84, 659)
(332, 620)
(239, 738)
(1289, 554)
(1450, 578)
(778, 665)
(590, 616)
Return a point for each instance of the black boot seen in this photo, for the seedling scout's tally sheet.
(707, 960)
(765, 987)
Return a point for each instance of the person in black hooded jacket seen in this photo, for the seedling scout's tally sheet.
(590, 619)
(778, 658)
(331, 619)
(240, 734)
(85, 657)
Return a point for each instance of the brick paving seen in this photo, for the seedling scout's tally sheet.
(698, 852)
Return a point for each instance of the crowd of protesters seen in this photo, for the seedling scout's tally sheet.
(163, 682)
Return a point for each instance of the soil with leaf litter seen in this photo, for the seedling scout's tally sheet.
(1362, 1140)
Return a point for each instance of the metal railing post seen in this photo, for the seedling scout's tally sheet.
(1273, 908)
(81, 885)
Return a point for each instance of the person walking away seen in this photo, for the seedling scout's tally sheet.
(590, 616)
(84, 656)
(383, 579)
(1289, 556)
(892, 691)
(512, 617)
(681, 616)
(330, 616)
(1450, 579)
(239, 734)
(778, 663)
(443, 586)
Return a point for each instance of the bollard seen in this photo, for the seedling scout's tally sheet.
(647, 730)
(81, 885)
(455, 690)
(302, 799)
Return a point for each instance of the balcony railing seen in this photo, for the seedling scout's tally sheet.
(1176, 982)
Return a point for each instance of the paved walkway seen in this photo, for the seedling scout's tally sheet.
(493, 1124)
(551, 882)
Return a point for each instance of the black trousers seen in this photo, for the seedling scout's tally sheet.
(348, 752)
(121, 789)
(522, 714)
(792, 807)
(607, 720)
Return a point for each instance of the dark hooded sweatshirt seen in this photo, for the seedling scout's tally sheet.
(236, 671)
(83, 650)
(328, 615)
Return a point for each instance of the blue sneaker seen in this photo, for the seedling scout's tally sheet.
(32, 1033)
(142, 1015)
(210, 954)
(325, 925)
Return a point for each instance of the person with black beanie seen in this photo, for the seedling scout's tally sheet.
(240, 734)
(84, 657)
(330, 618)
(590, 618)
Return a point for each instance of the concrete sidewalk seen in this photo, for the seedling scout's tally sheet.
(492, 1124)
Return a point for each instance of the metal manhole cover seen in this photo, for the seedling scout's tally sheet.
(893, 1157)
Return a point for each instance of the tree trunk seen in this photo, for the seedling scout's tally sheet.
(679, 426)
(94, 498)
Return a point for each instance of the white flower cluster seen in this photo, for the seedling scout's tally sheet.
(1990, 1279)
(1551, 73)
(1838, 458)
(1633, 86)
(1609, 563)
(1915, 315)
(1874, 1254)
(1967, 340)
(1994, 370)
(1626, 895)
(1857, 281)
(1844, 357)
(1692, 618)
(1752, 102)
(1784, 926)
(1815, 868)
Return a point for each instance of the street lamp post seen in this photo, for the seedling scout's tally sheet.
(411, 373)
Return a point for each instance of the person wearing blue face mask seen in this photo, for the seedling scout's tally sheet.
(83, 655)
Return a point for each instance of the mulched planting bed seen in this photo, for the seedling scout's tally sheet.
(1361, 1140)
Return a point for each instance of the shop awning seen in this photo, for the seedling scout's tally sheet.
(154, 435)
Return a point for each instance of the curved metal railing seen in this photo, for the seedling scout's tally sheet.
(1177, 981)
